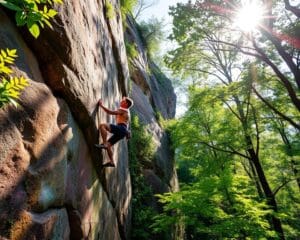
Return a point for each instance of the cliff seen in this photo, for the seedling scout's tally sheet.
(155, 101)
(154, 95)
(52, 185)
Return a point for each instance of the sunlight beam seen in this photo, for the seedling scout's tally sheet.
(249, 16)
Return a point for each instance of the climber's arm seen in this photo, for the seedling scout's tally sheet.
(107, 110)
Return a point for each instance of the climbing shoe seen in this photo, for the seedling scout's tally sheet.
(108, 164)
(101, 146)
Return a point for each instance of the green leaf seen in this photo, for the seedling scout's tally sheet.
(34, 30)
(58, 1)
(20, 18)
(11, 6)
(3, 53)
(52, 13)
(12, 52)
(13, 102)
(48, 23)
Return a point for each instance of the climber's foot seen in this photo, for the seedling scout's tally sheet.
(101, 146)
(108, 164)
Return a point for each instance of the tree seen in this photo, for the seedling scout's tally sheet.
(221, 202)
(208, 51)
(151, 35)
(142, 5)
(274, 42)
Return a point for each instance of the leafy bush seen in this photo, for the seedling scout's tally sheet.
(141, 154)
(32, 13)
(9, 89)
(127, 7)
(131, 50)
(152, 34)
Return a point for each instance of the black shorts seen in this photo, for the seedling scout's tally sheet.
(119, 131)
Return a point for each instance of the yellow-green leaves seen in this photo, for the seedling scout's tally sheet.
(7, 57)
(109, 9)
(10, 88)
(32, 13)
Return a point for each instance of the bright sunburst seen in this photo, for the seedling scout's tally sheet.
(249, 16)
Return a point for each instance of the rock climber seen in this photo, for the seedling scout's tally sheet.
(118, 130)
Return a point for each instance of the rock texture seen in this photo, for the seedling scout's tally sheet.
(52, 185)
(47, 159)
(154, 98)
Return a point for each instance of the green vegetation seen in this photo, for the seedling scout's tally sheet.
(9, 88)
(131, 50)
(238, 144)
(127, 7)
(160, 119)
(141, 154)
(109, 9)
(151, 34)
(32, 13)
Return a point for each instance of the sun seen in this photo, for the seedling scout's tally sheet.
(249, 16)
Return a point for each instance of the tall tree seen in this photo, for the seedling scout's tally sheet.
(275, 40)
(206, 51)
(221, 198)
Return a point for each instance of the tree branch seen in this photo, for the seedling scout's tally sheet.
(292, 94)
(293, 9)
(285, 56)
(297, 126)
(282, 185)
(230, 108)
(227, 151)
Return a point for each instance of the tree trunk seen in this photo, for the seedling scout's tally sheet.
(256, 180)
(271, 201)
(289, 153)
(270, 197)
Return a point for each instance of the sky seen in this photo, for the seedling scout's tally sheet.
(160, 9)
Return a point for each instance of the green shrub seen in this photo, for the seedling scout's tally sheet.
(32, 13)
(141, 154)
(127, 7)
(131, 50)
(151, 33)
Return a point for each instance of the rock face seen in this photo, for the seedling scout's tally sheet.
(52, 185)
(154, 98)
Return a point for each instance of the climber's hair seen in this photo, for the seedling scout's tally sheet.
(129, 102)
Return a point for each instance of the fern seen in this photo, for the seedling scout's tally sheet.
(10, 90)
(7, 57)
